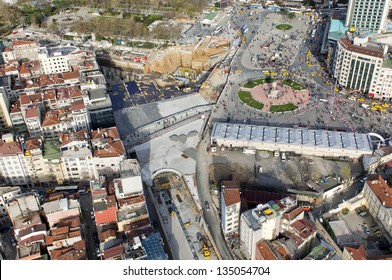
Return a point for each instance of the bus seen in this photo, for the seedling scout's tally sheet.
(244, 29)
(81, 189)
(67, 188)
(218, 30)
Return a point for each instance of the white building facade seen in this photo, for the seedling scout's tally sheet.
(368, 15)
(379, 199)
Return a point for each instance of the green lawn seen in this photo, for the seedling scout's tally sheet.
(284, 26)
(254, 83)
(293, 85)
(283, 108)
(246, 97)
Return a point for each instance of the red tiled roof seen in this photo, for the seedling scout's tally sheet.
(59, 231)
(110, 149)
(29, 99)
(111, 201)
(51, 118)
(58, 78)
(31, 112)
(231, 196)
(74, 92)
(22, 42)
(106, 234)
(30, 229)
(112, 132)
(49, 94)
(10, 148)
(115, 251)
(382, 190)
(75, 252)
(33, 239)
(77, 105)
(304, 228)
(264, 251)
(66, 138)
(71, 75)
(358, 253)
(132, 200)
(294, 213)
(15, 109)
(230, 184)
(10, 69)
(33, 144)
(45, 80)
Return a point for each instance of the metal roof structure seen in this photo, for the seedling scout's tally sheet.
(295, 137)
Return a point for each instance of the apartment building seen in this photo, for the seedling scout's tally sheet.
(23, 211)
(80, 118)
(50, 124)
(5, 87)
(17, 119)
(378, 195)
(105, 207)
(230, 207)
(6, 194)
(36, 167)
(53, 162)
(13, 164)
(76, 156)
(360, 64)
(21, 49)
(33, 120)
(55, 60)
(98, 103)
(108, 151)
(263, 222)
(368, 15)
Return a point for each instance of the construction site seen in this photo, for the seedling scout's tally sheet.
(181, 220)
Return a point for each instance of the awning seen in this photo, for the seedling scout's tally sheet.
(371, 94)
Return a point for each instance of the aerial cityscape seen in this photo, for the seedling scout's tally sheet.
(196, 130)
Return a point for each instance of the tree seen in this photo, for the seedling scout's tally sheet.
(345, 172)
(284, 12)
(291, 173)
(304, 170)
(268, 79)
(291, 15)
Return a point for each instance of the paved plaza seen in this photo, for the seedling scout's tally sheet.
(278, 93)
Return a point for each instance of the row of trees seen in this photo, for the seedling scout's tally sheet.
(304, 172)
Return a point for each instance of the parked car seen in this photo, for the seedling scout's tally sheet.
(366, 229)
(207, 205)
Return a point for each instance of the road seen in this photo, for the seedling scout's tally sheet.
(89, 229)
(211, 217)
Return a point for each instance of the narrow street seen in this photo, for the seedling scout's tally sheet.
(211, 217)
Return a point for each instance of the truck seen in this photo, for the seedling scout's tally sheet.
(283, 156)
(249, 150)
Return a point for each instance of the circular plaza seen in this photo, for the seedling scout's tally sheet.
(270, 95)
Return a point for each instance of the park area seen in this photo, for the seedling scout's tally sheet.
(284, 26)
(269, 95)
